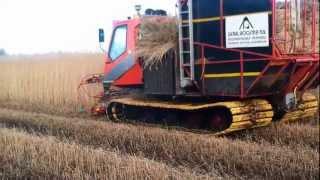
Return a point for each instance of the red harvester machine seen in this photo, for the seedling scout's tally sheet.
(238, 66)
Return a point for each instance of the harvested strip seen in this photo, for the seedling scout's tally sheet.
(203, 153)
(284, 134)
(23, 156)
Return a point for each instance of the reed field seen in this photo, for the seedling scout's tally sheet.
(46, 82)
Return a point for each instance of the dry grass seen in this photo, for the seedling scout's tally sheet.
(202, 154)
(159, 35)
(23, 156)
(46, 82)
(284, 134)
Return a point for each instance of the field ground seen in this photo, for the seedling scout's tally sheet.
(49, 146)
(44, 135)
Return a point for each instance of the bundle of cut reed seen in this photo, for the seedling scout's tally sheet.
(294, 27)
(158, 36)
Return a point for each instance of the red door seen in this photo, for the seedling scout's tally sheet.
(122, 68)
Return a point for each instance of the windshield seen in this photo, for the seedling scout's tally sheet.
(119, 42)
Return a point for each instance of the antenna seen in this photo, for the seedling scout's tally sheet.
(138, 9)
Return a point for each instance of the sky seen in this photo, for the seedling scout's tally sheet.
(44, 26)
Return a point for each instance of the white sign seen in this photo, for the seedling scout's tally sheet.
(244, 31)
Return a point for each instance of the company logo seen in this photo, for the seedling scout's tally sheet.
(246, 24)
(251, 30)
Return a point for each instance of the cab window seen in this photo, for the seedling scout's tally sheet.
(119, 42)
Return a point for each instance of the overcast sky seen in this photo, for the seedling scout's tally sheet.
(42, 26)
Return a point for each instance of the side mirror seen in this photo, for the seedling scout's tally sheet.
(101, 36)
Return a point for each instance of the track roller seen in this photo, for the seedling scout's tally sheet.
(116, 112)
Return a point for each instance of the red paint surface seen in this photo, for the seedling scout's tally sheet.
(132, 77)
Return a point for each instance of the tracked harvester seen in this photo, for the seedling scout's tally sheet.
(237, 65)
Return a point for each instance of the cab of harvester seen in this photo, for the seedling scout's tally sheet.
(121, 65)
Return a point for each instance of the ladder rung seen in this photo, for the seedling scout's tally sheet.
(184, 12)
(185, 25)
(185, 47)
(183, 39)
(185, 52)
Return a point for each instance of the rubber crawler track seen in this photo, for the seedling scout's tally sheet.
(245, 115)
